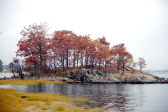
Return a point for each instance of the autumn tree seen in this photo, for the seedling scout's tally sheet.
(33, 44)
(80, 49)
(103, 41)
(131, 64)
(127, 58)
(31, 64)
(121, 55)
(1, 65)
(66, 50)
(103, 52)
(141, 63)
(62, 46)
(12, 68)
(16, 66)
(91, 53)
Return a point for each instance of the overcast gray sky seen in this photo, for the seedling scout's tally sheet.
(141, 24)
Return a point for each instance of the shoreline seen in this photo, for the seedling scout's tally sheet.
(39, 81)
(29, 82)
(90, 76)
(117, 82)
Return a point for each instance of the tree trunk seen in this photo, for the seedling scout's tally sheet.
(77, 60)
(82, 61)
(86, 61)
(99, 63)
(118, 65)
(13, 73)
(41, 59)
(67, 61)
(62, 61)
(74, 60)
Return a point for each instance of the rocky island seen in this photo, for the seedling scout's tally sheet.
(69, 57)
(102, 77)
(95, 76)
(83, 56)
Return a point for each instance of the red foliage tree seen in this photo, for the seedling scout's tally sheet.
(33, 44)
(103, 41)
(121, 55)
(66, 50)
(62, 44)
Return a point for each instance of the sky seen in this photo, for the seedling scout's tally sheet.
(141, 24)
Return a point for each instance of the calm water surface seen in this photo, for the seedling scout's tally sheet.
(2, 75)
(120, 97)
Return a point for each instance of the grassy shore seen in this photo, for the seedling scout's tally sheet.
(26, 82)
(14, 101)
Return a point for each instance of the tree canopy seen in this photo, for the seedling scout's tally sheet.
(66, 50)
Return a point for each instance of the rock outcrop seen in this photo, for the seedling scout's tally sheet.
(95, 76)
(128, 77)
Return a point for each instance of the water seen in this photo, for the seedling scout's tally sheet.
(118, 97)
(2, 75)
(115, 97)
(159, 73)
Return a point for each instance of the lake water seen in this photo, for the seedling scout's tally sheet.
(2, 75)
(118, 97)
(160, 73)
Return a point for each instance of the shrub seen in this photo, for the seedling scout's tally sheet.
(58, 72)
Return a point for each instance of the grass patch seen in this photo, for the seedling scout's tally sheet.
(14, 101)
(70, 108)
(25, 82)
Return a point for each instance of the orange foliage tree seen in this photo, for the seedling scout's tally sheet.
(121, 55)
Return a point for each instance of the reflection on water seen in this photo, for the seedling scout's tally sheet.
(120, 97)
